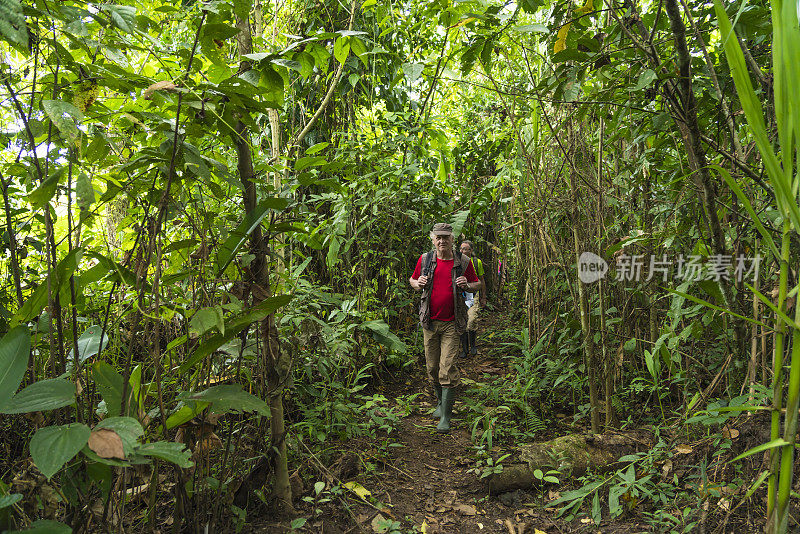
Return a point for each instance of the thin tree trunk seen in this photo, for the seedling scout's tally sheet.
(271, 355)
(583, 310)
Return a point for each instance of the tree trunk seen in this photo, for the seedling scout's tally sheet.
(583, 311)
(274, 362)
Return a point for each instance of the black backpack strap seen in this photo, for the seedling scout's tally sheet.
(426, 269)
(460, 269)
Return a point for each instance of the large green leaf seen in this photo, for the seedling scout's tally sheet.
(40, 396)
(570, 54)
(413, 71)
(40, 196)
(228, 250)
(272, 81)
(185, 413)
(123, 17)
(229, 398)
(383, 335)
(45, 526)
(15, 349)
(341, 49)
(646, 78)
(64, 114)
(12, 23)
(205, 319)
(779, 442)
(109, 383)
(459, 219)
(53, 446)
(175, 453)
(84, 191)
(531, 28)
(236, 325)
(89, 343)
(10, 500)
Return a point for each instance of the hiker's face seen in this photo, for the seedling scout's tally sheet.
(466, 249)
(443, 242)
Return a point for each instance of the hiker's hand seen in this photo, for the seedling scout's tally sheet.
(461, 282)
(422, 281)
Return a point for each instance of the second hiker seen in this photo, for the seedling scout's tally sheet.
(475, 304)
(443, 275)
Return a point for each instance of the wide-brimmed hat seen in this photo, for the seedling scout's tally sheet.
(442, 229)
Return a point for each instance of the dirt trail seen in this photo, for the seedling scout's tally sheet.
(424, 481)
(427, 482)
(431, 482)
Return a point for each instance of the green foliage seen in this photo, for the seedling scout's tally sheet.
(12, 23)
(175, 453)
(128, 132)
(53, 446)
(44, 395)
(485, 465)
(225, 399)
(89, 343)
(46, 526)
(15, 349)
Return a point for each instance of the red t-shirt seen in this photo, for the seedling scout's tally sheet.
(442, 291)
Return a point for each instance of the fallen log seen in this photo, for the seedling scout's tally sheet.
(572, 455)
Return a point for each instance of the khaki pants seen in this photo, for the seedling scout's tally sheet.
(473, 314)
(441, 347)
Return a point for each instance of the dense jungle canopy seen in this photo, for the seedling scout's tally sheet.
(211, 210)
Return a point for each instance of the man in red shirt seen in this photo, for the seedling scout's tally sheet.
(442, 275)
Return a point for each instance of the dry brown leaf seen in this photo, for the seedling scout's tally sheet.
(163, 85)
(667, 467)
(106, 444)
(377, 523)
(683, 449)
(730, 433)
(209, 443)
(212, 418)
(466, 509)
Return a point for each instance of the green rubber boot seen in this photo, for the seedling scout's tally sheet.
(448, 398)
(437, 414)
